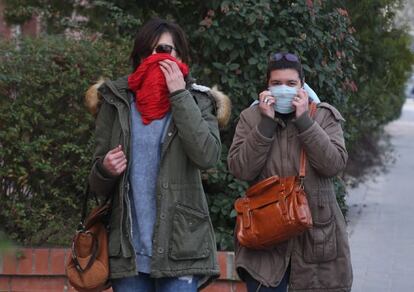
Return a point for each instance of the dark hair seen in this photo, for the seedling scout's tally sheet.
(283, 63)
(149, 34)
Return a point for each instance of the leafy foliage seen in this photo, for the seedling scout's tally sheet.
(236, 59)
(46, 134)
(383, 64)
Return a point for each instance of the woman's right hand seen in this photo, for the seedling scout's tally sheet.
(266, 102)
(115, 161)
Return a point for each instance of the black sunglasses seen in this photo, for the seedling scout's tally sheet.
(162, 48)
(288, 57)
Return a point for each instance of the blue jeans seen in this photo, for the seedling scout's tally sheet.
(254, 286)
(144, 283)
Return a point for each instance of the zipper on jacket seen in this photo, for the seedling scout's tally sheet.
(130, 206)
(127, 187)
(279, 139)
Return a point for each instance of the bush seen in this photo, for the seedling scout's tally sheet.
(383, 64)
(46, 134)
(236, 59)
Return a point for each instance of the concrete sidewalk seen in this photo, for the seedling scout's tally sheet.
(381, 217)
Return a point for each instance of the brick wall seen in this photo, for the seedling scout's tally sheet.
(30, 28)
(5, 31)
(43, 269)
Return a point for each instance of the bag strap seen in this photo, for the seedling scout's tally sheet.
(82, 229)
(85, 206)
(302, 152)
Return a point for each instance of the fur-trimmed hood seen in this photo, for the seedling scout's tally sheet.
(223, 103)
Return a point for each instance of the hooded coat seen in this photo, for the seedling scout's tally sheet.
(183, 240)
(319, 258)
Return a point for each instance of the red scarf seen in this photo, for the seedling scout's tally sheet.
(150, 88)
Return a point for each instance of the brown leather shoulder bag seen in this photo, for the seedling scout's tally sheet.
(274, 210)
(88, 268)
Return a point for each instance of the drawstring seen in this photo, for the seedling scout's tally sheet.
(258, 287)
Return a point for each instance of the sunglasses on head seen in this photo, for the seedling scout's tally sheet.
(288, 57)
(162, 48)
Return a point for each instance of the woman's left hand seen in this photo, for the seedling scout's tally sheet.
(173, 75)
(301, 102)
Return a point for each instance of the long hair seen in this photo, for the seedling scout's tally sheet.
(149, 34)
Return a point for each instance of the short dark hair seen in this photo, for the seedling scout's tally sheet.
(149, 34)
(283, 63)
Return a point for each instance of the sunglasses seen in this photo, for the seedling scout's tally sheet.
(288, 57)
(162, 48)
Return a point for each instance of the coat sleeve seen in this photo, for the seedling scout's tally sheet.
(102, 182)
(197, 127)
(324, 143)
(248, 151)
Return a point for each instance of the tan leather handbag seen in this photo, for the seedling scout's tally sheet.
(88, 268)
(274, 209)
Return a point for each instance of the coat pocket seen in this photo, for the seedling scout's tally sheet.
(189, 238)
(320, 243)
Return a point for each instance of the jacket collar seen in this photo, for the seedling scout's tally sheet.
(119, 88)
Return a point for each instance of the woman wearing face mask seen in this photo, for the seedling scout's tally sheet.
(155, 130)
(268, 139)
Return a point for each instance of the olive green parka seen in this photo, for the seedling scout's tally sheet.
(183, 240)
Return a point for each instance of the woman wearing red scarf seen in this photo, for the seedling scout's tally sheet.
(155, 130)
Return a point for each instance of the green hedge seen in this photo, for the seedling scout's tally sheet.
(384, 63)
(46, 135)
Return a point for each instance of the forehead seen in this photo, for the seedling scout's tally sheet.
(165, 38)
(284, 75)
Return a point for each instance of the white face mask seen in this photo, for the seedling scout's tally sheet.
(284, 95)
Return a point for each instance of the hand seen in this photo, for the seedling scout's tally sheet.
(266, 104)
(173, 75)
(301, 102)
(115, 162)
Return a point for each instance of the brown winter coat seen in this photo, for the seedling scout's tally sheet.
(320, 257)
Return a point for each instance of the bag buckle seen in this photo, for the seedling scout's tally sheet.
(302, 182)
(81, 227)
(246, 215)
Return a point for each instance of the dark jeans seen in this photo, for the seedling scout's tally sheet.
(255, 286)
(144, 283)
